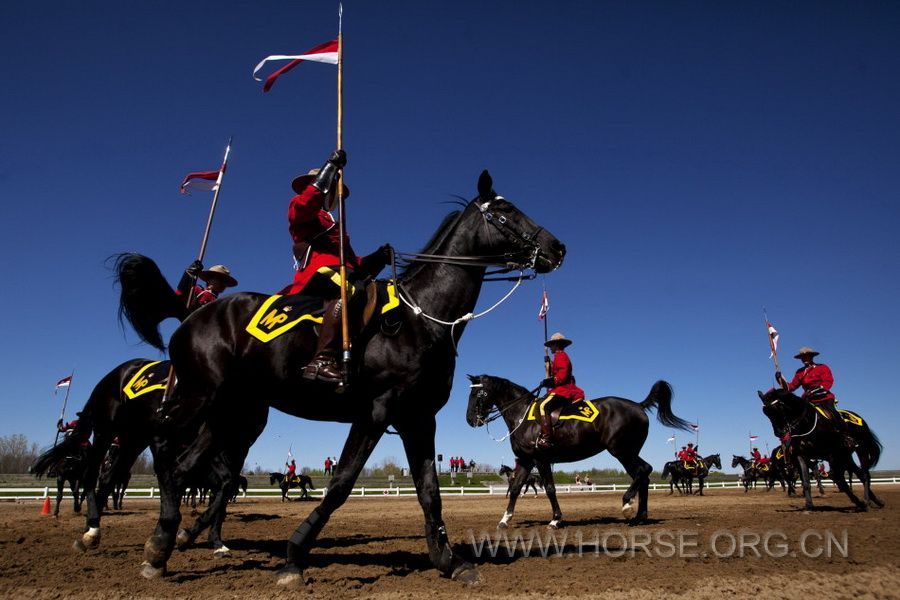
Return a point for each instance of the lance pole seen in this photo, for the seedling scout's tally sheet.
(62, 413)
(546, 349)
(170, 380)
(342, 217)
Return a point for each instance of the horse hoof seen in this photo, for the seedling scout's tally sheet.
(183, 539)
(222, 552)
(153, 555)
(502, 525)
(148, 571)
(289, 575)
(466, 573)
(91, 538)
(554, 524)
(78, 546)
(628, 510)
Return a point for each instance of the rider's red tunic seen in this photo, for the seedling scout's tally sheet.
(84, 438)
(563, 379)
(309, 223)
(812, 377)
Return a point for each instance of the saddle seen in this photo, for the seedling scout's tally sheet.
(280, 314)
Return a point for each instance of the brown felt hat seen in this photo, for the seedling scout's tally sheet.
(220, 272)
(302, 181)
(558, 339)
(806, 350)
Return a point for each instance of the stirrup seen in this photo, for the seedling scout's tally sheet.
(543, 443)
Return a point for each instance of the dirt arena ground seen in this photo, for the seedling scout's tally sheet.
(373, 547)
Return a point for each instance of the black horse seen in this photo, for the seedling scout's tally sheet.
(617, 424)
(69, 468)
(119, 482)
(673, 474)
(700, 470)
(808, 434)
(532, 481)
(402, 371)
(752, 472)
(299, 481)
(112, 411)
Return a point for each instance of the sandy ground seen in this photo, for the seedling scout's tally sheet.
(374, 547)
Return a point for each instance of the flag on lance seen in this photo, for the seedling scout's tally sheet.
(753, 438)
(323, 53)
(64, 382)
(545, 306)
(773, 339)
(694, 427)
(670, 440)
(204, 181)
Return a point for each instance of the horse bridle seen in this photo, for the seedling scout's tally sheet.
(790, 425)
(508, 261)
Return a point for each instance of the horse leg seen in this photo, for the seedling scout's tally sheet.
(172, 477)
(521, 476)
(639, 471)
(76, 505)
(841, 481)
(804, 480)
(186, 537)
(418, 442)
(863, 473)
(60, 486)
(550, 489)
(359, 445)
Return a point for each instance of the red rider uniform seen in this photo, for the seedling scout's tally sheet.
(70, 428)
(562, 387)
(317, 241)
(816, 380)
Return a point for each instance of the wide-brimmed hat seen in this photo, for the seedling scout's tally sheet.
(302, 181)
(806, 350)
(558, 339)
(218, 272)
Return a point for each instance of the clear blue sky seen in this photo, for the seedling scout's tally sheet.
(701, 161)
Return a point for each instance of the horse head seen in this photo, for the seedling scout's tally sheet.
(510, 235)
(479, 404)
(273, 477)
(782, 408)
(713, 460)
(737, 460)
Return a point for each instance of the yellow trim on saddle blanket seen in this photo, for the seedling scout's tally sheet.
(266, 325)
(851, 417)
(587, 412)
(846, 415)
(139, 384)
(393, 301)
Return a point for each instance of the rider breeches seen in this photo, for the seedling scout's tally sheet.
(330, 334)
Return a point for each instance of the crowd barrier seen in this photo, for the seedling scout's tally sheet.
(39, 493)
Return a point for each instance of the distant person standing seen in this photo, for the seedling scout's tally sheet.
(328, 464)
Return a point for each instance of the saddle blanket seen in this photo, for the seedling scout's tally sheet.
(848, 416)
(149, 378)
(279, 314)
(583, 410)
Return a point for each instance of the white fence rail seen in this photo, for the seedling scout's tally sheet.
(39, 493)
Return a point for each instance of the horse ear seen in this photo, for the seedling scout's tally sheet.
(486, 186)
(761, 396)
(471, 378)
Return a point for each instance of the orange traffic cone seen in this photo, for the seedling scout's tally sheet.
(46, 509)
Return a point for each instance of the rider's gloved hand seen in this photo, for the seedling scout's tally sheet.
(338, 158)
(194, 269)
(777, 375)
(549, 382)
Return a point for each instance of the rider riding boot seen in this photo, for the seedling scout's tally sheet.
(840, 426)
(324, 366)
(545, 439)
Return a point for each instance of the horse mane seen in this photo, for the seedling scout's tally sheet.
(437, 238)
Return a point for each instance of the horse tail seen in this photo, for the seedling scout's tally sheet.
(874, 447)
(311, 486)
(661, 397)
(665, 471)
(147, 298)
(69, 446)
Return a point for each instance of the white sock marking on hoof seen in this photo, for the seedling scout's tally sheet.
(628, 509)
